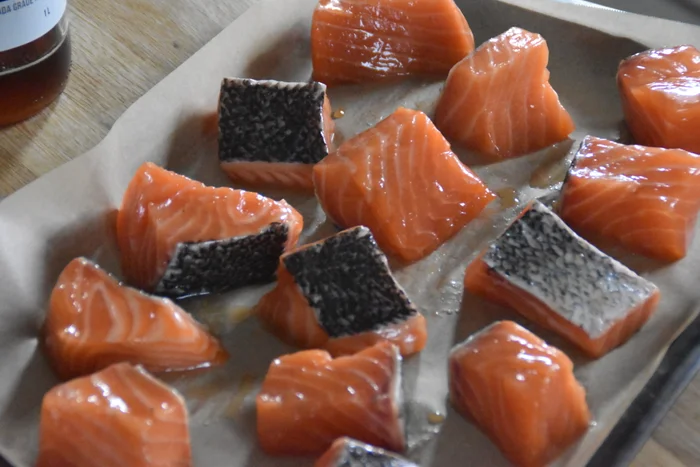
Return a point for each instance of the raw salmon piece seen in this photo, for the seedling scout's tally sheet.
(401, 180)
(94, 321)
(542, 269)
(359, 41)
(498, 100)
(660, 92)
(346, 452)
(118, 417)
(271, 133)
(178, 237)
(645, 199)
(339, 294)
(520, 391)
(308, 400)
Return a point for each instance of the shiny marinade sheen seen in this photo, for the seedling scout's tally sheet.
(271, 121)
(519, 391)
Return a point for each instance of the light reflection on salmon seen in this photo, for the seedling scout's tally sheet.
(644, 199)
(94, 321)
(401, 179)
(118, 417)
(308, 400)
(360, 41)
(660, 91)
(520, 391)
(498, 100)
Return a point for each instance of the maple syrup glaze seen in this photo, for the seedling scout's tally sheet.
(32, 76)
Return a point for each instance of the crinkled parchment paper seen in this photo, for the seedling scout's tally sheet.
(70, 212)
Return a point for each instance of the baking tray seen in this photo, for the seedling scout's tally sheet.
(677, 370)
(682, 361)
(679, 366)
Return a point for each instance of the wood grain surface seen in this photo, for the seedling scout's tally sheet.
(120, 50)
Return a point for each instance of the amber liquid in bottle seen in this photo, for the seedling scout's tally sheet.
(32, 76)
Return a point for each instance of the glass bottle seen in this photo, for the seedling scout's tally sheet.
(35, 56)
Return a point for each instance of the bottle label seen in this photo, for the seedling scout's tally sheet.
(24, 21)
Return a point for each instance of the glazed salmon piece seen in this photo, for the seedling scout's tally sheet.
(520, 391)
(401, 180)
(94, 321)
(271, 133)
(346, 452)
(308, 400)
(120, 416)
(339, 294)
(498, 100)
(540, 268)
(360, 41)
(645, 199)
(179, 237)
(660, 91)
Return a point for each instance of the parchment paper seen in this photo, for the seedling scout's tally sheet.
(70, 212)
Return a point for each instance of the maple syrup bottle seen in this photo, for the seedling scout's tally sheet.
(35, 56)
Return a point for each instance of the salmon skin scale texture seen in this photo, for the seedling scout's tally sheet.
(587, 287)
(327, 274)
(271, 121)
(339, 294)
(225, 260)
(550, 275)
(182, 238)
(347, 452)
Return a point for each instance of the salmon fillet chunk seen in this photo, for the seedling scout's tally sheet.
(540, 268)
(118, 417)
(498, 100)
(660, 92)
(359, 41)
(308, 400)
(644, 199)
(520, 392)
(401, 179)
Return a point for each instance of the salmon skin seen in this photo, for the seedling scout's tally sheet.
(94, 321)
(543, 270)
(498, 100)
(178, 237)
(308, 400)
(118, 417)
(271, 133)
(660, 91)
(401, 180)
(520, 391)
(644, 199)
(360, 41)
(346, 452)
(339, 294)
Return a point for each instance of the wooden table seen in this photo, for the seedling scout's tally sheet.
(136, 43)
